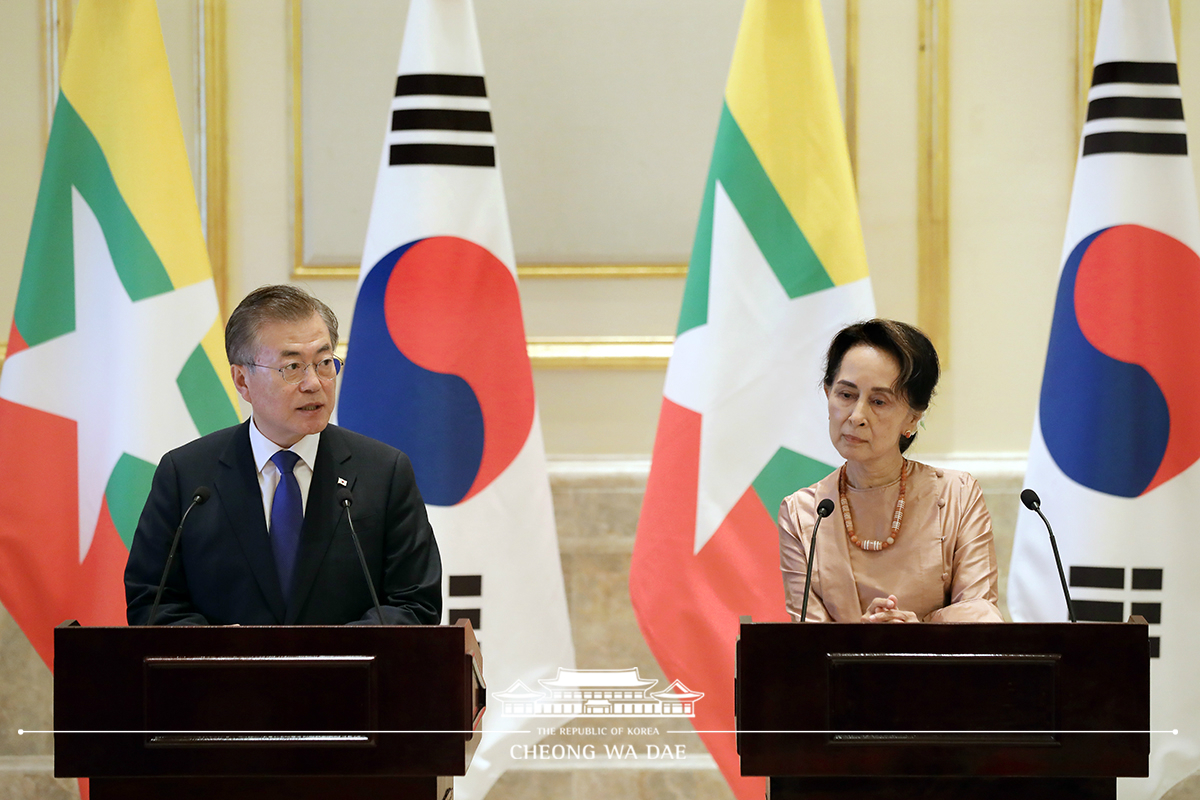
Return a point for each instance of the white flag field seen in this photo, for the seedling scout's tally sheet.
(437, 366)
(1116, 437)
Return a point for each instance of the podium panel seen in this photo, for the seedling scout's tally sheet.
(992, 710)
(302, 711)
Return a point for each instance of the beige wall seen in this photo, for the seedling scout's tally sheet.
(605, 115)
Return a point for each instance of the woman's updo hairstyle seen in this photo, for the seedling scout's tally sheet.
(908, 346)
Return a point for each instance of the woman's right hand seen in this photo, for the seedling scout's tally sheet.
(886, 609)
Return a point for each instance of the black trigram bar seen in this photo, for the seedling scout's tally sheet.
(1098, 610)
(466, 585)
(441, 153)
(1098, 577)
(440, 119)
(1135, 108)
(454, 85)
(465, 613)
(454, 155)
(1160, 72)
(1153, 144)
(1154, 646)
(1147, 579)
(1151, 611)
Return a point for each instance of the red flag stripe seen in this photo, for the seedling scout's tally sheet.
(42, 581)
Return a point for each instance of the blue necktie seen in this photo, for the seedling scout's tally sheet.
(287, 517)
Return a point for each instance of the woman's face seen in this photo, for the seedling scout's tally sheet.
(866, 416)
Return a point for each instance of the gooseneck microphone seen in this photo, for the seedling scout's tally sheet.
(1031, 500)
(824, 509)
(199, 497)
(345, 498)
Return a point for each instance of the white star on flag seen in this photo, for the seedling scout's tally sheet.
(121, 404)
(752, 371)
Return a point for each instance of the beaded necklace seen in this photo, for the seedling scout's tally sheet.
(848, 519)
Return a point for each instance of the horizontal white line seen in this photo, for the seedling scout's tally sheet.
(441, 102)
(1135, 90)
(22, 732)
(1134, 125)
(1174, 732)
(699, 761)
(481, 138)
(252, 659)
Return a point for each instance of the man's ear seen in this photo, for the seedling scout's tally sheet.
(238, 372)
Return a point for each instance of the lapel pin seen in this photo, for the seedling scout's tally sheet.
(341, 481)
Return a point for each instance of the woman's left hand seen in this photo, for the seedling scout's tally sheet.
(886, 609)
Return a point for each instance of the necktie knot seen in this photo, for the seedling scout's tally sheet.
(285, 461)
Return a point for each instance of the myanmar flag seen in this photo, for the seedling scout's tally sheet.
(115, 353)
(778, 266)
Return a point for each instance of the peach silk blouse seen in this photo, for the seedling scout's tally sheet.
(942, 566)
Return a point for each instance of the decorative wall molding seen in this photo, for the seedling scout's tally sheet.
(350, 271)
(933, 174)
(304, 271)
(214, 144)
(609, 352)
(851, 110)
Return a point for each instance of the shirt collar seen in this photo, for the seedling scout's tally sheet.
(264, 448)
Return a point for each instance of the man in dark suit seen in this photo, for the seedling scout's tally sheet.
(272, 545)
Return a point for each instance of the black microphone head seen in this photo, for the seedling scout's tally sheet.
(825, 508)
(1030, 499)
(344, 496)
(201, 495)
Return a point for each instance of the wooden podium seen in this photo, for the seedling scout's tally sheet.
(292, 712)
(1029, 711)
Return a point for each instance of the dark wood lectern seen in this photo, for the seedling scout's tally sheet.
(1029, 711)
(264, 712)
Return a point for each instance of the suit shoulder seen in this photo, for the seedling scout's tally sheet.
(365, 446)
(211, 445)
(945, 481)
(804, 501)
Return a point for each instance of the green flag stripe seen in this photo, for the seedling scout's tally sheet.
(769, 221)
(786, 472)
(694, 311)
(126, 493)
(46, 298)
(204, 395)
(45, 305)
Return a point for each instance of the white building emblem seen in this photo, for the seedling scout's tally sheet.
(598, 692)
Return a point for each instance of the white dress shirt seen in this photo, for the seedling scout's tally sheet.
(268, 473)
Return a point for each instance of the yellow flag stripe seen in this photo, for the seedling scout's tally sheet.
(214, 347)
(782, 93)
(117, 78)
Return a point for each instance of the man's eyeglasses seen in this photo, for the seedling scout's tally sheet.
(326, 369)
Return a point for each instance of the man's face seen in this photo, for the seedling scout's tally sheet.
(287, 412)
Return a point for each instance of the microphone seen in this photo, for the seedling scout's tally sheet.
(199, 498)
(1031, 500)
(345, 499)
(824, 509)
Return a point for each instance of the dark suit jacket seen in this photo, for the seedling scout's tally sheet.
(224, 571)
